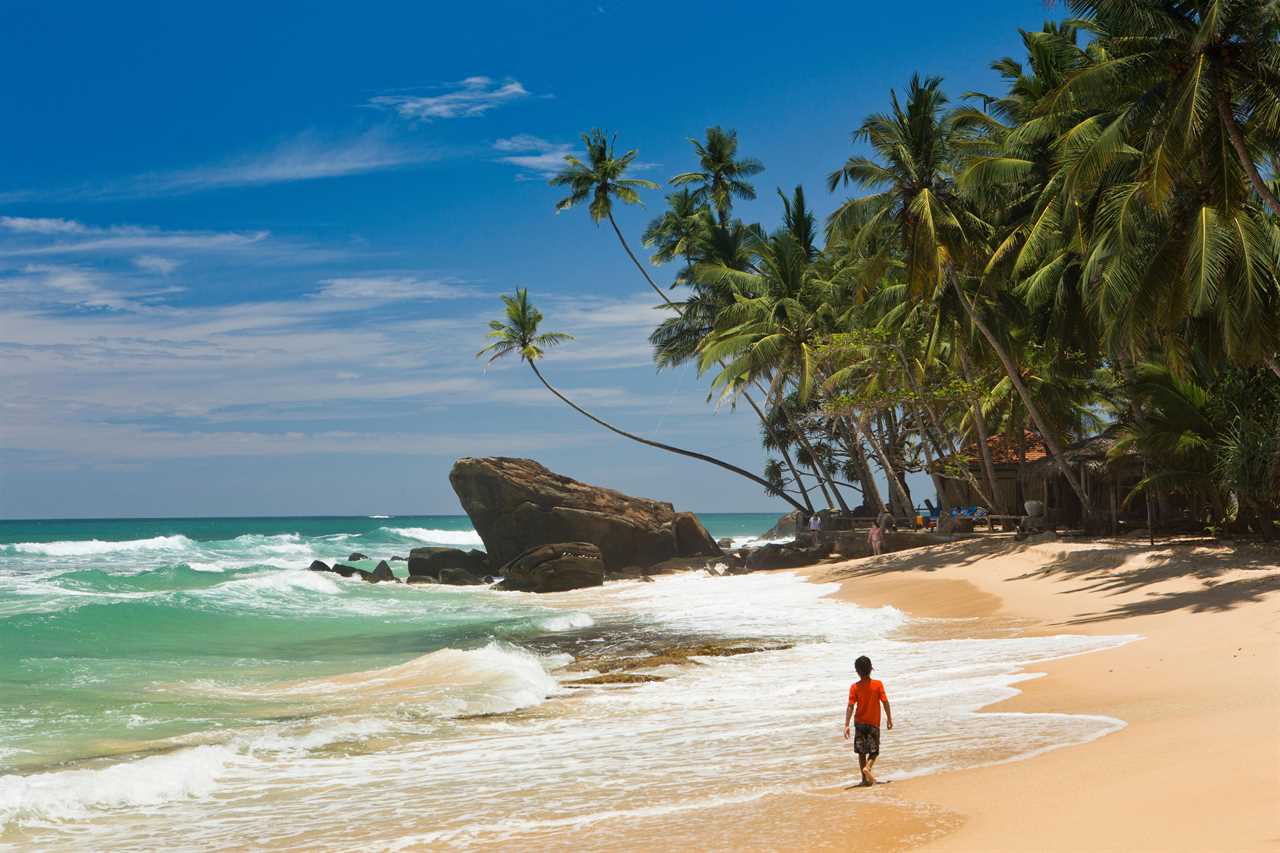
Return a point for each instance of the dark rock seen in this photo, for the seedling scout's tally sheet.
(357, 556)
(398, 559)
(382, 574)
(417, 579)
(726, 542)
(517, 504)
(431, 561)
(319, 566)
(737, 569)
(555, 568)
(785, 527)
(784, 556)
(458, 577)
(692, 539)
(347, 571)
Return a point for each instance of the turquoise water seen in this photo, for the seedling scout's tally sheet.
(188, 684)
(122, 634)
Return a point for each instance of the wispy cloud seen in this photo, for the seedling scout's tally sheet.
(467, 98)
(72, 237)
(156, 264)
(307, 156)
(537, 155)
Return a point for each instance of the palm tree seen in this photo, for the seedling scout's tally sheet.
(675, 233)
(601, 180)
(723, 178)
(928, 225)
(519, 334)
(1193, 78)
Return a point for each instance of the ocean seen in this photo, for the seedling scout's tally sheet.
(188, 684)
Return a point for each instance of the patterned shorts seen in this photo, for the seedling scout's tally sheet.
(866, 739)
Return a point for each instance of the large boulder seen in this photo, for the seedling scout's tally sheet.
(517, 504)
(692, 539)
(432, 561)
(785, 527)
(319, 566)
(356, 556)
(555, 568)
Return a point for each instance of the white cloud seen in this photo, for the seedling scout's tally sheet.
(467, 98)
(40, 225)
(156, 264)
(393, 289)
(537, 155)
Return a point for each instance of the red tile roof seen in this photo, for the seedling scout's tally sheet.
(1005, 452)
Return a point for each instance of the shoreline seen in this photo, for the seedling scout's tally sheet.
(1203, 610)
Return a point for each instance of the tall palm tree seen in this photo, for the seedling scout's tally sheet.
(723, 176)
(599, 181)
(929, 225)
(519, 334)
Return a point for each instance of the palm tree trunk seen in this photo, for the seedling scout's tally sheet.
(1015, 377)
(819, 468)
(870, 491)
(782, 448)
(895, 487)
(1228, 119)
(940, 435)
(981, 427)
(644, 272)
(675, 307)
(659, 445)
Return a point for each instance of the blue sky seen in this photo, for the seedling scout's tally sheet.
(248, 251)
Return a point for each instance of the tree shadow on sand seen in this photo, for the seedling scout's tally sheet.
(1112, 567)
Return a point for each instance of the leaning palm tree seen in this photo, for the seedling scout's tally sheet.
(519, 334)
(601, 180)
(723, 176)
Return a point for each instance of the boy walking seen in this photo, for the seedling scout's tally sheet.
(866, 695)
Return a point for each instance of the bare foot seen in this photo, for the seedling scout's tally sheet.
(867, 778)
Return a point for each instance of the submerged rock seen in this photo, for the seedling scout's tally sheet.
(555, 568)
(382, 574)
(319, 566)
(356, 555)
(421, 579)
(517, 504)
(459, 577)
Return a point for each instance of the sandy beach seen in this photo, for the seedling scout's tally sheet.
(1198, 765)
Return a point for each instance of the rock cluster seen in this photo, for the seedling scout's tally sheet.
(555, 568)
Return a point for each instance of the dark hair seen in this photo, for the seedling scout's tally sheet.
(863, 666)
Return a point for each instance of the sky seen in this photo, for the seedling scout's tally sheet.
(248, 251)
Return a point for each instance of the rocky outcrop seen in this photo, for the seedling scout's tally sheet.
(355, 556)
(785, 527)
(319, 566)
(517, 504)
(432, 561)
(555, 568)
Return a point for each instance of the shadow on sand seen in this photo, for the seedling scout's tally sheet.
(1113, 567)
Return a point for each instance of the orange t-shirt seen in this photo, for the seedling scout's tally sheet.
(866, 695)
